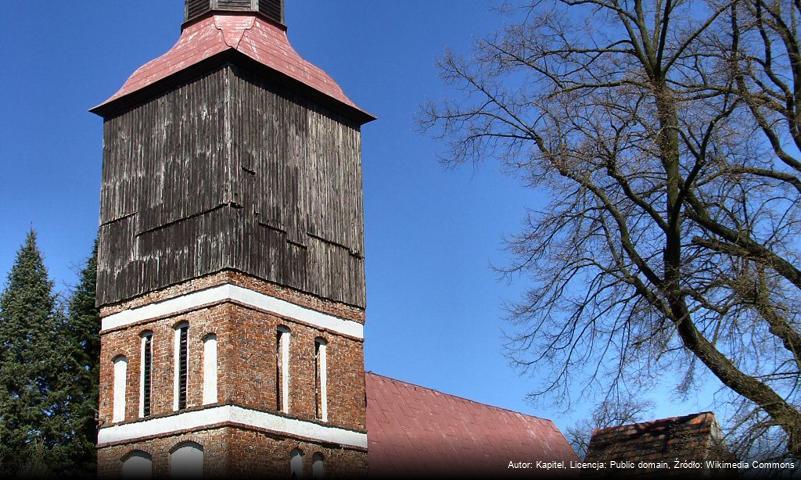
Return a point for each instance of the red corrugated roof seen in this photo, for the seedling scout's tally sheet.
(250, 35)
(415, 431)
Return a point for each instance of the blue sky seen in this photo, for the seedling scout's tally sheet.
(435, 307)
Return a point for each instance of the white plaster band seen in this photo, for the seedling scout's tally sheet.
(234, 293)
(230, 414)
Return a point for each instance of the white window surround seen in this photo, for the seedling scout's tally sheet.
(242, 295)
(284, 336)
(233, 415)
(322, 365)
(209, 369)
(120, 384)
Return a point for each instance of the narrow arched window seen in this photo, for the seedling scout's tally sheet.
(318, 466)
(209, 369)
(186, 461)
(146, 374)
(296, 463)
(321, 378)
(181, 375)
(137, 464)
(119, 385)
(282, 340)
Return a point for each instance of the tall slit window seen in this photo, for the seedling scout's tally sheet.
(282, 369)
(321, 379)
(119, 384)
(146, 375)
(181, 366)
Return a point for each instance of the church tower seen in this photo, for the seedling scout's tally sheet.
(231, 266)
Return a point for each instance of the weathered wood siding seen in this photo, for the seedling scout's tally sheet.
(226, 173)
(272, 9)
(298, 177)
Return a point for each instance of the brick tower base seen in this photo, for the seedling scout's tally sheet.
(235, 452)
(246, 432)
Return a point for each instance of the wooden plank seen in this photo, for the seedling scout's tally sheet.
(228, 172)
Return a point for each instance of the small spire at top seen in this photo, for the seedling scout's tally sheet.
(271, 9)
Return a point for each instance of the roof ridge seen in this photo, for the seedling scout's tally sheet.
(656, 421)
(495, 407)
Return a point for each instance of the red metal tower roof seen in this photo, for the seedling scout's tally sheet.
(251, 35)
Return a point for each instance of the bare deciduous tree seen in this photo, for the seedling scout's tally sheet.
(667, 135)
(606, 414)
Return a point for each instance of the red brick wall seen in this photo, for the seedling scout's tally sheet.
(256, 453)
(215, 453)
(246, 281)
(246, 356)
(253, 352)
(127, 342)
(232, 452)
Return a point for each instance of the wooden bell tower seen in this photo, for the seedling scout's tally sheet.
(231, 265)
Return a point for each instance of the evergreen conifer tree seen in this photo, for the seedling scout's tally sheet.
(80, 377)
(29, 360)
